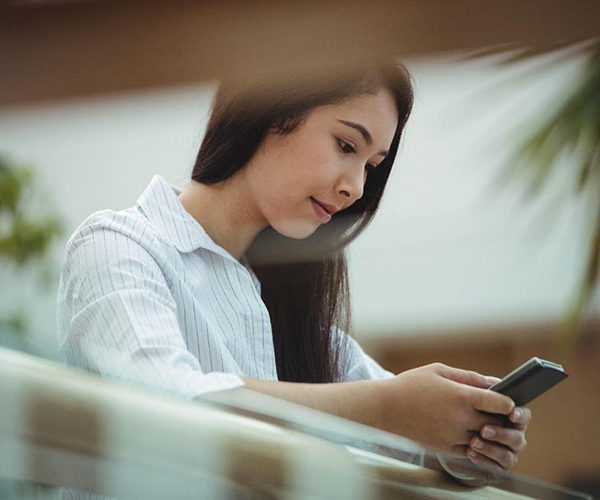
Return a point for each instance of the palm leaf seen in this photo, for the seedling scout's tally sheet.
(571, 131)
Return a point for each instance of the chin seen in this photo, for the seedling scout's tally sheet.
(297, 230)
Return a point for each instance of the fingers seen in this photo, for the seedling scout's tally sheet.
(481, 399)
(467, 377)
(491, 402)
(490, 465)
(520, 417)
(459, 450)
(500, 443)
(500, 455)
(513, 439)
(479, 419)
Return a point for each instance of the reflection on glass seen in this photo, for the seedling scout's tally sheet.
(70, 429)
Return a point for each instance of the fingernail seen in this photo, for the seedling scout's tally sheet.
(488, 432)
(517, 414)
(477, 444)
(472, 454)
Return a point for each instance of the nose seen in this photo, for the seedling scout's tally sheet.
(351, 186)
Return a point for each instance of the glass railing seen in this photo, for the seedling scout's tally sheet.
(64, 428)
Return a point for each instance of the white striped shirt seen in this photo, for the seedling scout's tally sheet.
(146, 296)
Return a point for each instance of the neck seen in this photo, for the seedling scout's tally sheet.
(225, 213)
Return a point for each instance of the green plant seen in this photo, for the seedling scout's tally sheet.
(26, 232)
(571, 131)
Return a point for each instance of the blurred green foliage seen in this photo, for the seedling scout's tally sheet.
(571, 131)
(27, 229)
(23, 235)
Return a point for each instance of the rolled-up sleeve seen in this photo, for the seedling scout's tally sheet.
(117, 317)
(361, 366)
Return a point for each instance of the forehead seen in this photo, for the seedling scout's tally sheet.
(377, 112)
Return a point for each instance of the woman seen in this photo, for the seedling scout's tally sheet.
(240, 279)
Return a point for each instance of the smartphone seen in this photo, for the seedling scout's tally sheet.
(529, 380)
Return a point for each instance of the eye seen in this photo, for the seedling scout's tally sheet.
(346, 147)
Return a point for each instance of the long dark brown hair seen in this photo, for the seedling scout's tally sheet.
(304, 283)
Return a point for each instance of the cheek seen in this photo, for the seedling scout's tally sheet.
(292, 169)
(280, 188)
(299, 175)
(319, 171)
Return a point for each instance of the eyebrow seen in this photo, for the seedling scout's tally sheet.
(364, 132)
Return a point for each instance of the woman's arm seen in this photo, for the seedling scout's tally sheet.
(360, 401)
(436, 405)
(442, 407)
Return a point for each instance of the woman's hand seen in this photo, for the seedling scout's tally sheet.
(500, 445)
(487, 463)
(441, 407)
(444, 408)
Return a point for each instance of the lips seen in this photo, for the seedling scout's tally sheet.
(330, 209)
(323, 210)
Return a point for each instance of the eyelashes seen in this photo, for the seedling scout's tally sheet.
(347, 148)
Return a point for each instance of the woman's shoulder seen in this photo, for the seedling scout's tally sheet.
(107, 227)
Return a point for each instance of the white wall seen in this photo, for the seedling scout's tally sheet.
(452, 247)
(448, 248)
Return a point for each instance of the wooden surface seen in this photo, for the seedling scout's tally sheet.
(56, 50)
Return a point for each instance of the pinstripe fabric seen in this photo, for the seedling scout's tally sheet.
(146, 296)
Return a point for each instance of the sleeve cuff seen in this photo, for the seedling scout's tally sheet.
(214, 381)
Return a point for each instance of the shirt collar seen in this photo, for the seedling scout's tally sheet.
(161, 205)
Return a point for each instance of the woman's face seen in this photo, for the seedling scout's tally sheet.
(297, 181)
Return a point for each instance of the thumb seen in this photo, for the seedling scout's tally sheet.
(468, 377)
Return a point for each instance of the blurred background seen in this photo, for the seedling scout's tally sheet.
(483, 253)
